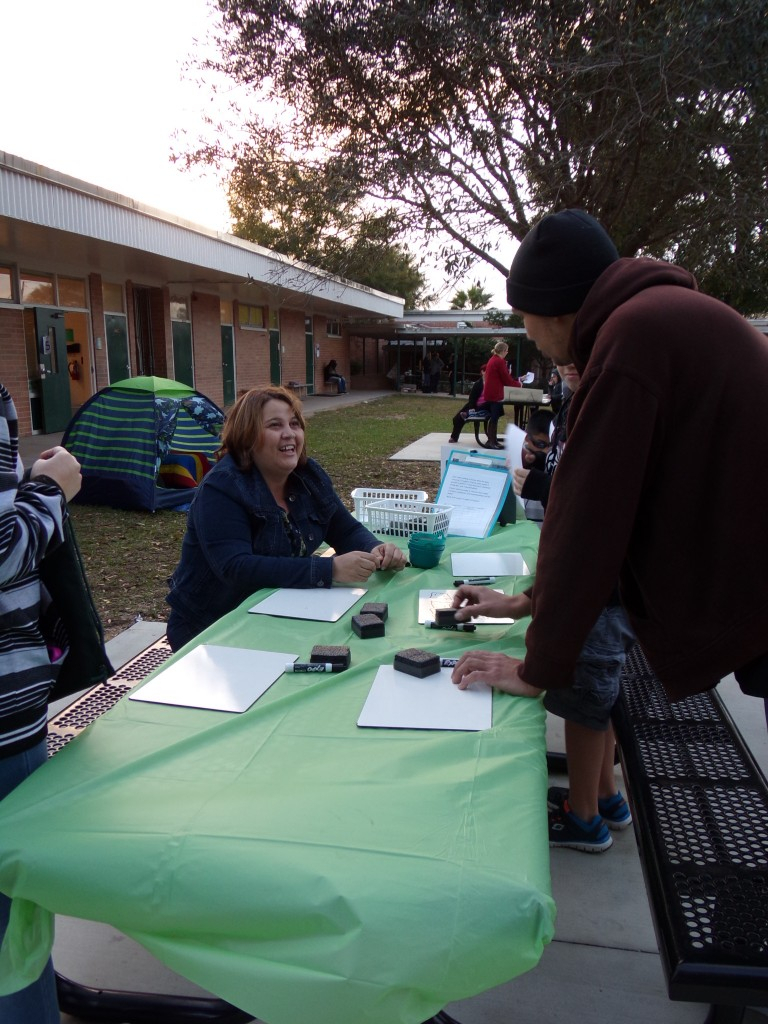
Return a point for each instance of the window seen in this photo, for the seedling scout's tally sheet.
(6, 284)
(274, 320)
(112, 294)
(179, 309)
(72, 292)
(225, 312)
(250, 317)
(333, 329)
(37, 289)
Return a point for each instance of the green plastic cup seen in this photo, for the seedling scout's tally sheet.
(425, 550)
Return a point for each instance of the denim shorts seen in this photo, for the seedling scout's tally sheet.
(595, 687)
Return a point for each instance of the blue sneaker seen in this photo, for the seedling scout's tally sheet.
(614, 811)
(565, 829)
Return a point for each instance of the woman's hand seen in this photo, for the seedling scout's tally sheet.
(497, 670)
(473, 601)
(389, 556)
(518, 480)
(354, 567)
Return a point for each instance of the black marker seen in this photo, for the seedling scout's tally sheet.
(462, 627)
(475, 581)
(449, 662)
(313, 666)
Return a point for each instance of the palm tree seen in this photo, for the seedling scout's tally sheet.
(475, 297)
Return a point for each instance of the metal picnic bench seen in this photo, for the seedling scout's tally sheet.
(700, 809)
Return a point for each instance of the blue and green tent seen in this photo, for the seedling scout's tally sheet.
(144, 443)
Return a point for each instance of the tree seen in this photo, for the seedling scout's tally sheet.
(470, 118)
(314, 216)
(475, 297)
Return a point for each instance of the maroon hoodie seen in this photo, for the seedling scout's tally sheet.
(663, 484)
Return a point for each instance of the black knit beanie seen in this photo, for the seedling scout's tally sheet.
(558, 262)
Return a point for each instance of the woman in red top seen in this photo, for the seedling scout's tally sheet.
(497, 377)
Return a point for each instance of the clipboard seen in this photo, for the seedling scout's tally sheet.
(476, 485)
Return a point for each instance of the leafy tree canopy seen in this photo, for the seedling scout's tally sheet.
(313, 216)
(470, 118)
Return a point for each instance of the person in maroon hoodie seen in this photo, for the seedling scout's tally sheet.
(693, 581)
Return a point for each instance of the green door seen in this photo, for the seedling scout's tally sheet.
(228, 363)
(274, 356)
(56, 404)
(116, 326)
(182, 352)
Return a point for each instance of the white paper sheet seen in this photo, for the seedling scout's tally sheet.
(476, 493)
(320, 604)
(399, 701)
(488, 563)
(513, 448)
(215, 678)
(431, 600)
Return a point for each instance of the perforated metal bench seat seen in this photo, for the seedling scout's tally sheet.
(700, 809)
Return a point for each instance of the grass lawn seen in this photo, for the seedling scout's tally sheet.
(129, 555)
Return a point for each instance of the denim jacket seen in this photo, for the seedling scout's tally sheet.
(238, 540)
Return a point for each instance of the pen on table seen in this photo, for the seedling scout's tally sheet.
(475, 581)
(449, 662)
(313, 666)
(462, 627)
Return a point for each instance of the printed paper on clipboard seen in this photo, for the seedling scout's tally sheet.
(476, 489)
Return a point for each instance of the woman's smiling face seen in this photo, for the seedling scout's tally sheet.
(282, 440)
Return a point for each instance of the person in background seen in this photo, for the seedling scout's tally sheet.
(434, 368)
(332, 376)
(532, 483)
(634, 328)
(474, 401)
(535, 449)
(555, 389)
(497, 377)
(32, 512)
(260, 515)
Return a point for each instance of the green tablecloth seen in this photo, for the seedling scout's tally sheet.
(287, 860)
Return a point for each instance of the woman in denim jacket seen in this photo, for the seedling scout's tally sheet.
(259, 516)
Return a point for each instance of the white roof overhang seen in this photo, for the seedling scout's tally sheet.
(51, 221)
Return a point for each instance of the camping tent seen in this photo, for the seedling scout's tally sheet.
(143, 443)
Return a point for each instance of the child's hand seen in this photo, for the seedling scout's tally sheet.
(518, 480)
(59, 465)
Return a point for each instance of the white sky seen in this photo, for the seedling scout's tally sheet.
(94, 89)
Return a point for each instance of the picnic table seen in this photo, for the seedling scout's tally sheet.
(285, 859)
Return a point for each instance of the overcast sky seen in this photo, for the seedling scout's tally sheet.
(94, 89)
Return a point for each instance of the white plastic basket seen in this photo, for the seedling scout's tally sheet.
(363, 496)
(401, 518)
